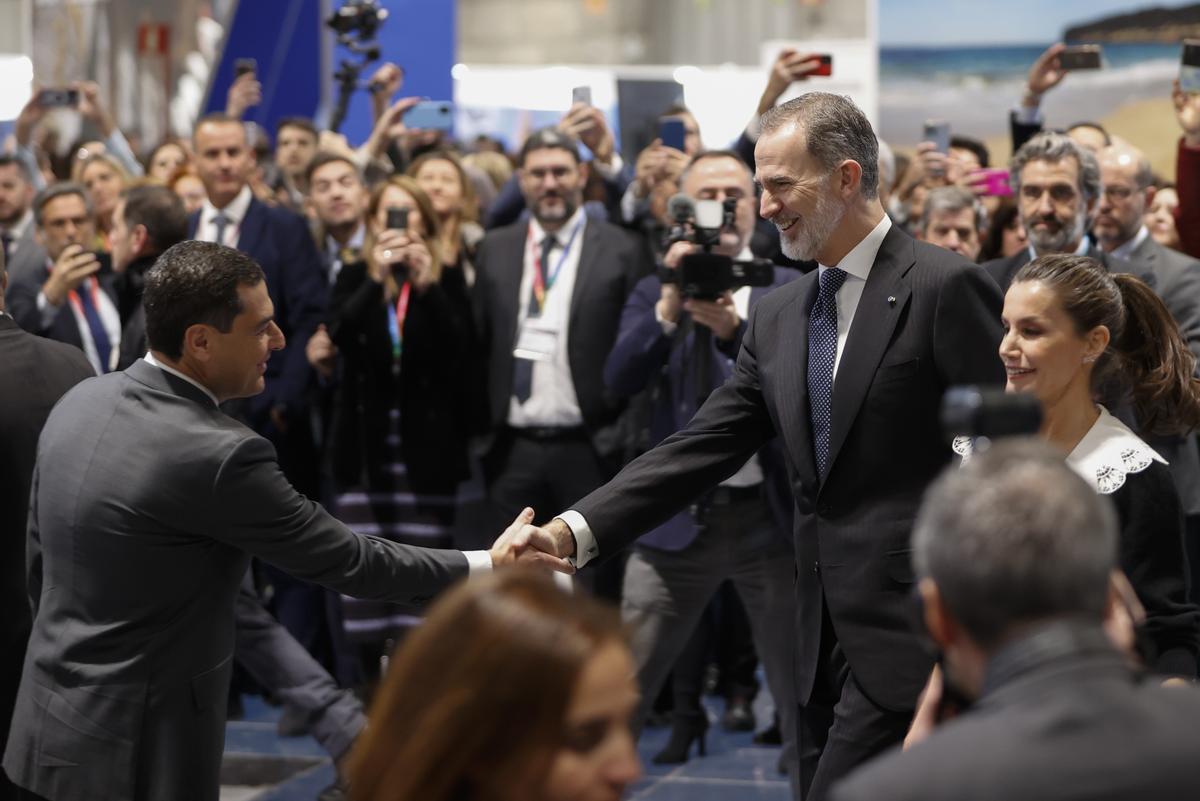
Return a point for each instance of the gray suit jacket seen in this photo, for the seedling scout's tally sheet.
(147, 505)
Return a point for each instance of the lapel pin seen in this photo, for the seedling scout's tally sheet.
(891, 300)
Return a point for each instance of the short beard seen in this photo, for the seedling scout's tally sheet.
(812, 233)
(570, 206)
(1058, 242)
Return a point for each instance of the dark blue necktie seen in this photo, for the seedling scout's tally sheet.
(220, 222)
(523, 369)
(822, 352)
(95, 324)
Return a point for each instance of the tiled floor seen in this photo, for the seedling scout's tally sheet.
(734, 767)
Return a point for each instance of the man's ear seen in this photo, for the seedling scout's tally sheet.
(141, 237)
(938, 621)
(849, 174)
(198, 342)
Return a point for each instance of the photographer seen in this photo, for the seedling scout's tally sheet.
(397, 443)
(736, 532)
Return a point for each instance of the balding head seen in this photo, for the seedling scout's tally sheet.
(1128, 191)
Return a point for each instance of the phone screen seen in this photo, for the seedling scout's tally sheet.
(1189, 66)
(244, 65)
(397, 218)
(581, 94)
(436, 115)
(672, 132)
(1080, 57)
(938, 132)
(58, 98)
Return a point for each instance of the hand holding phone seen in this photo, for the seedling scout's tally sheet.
(243, 66)
(824, 66)
(58, 98)
(1189, 66)
(673, 133)
(990, 182)
(436, 115)
(581, 94)
(938, 132)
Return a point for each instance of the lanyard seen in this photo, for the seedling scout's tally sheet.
(396, 316)
(542, 286)
(92, 287)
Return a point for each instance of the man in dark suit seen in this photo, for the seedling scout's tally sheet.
(1058, 190)
(37, 372)
(70, 297)
(848, 366)
(550, 294)
(740, 531)
(280, 241)
(147, 502)
(1014, 554)
(22, 253)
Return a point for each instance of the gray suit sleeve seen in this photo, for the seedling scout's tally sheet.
(254, 508)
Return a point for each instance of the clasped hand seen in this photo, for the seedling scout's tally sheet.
(523, 543)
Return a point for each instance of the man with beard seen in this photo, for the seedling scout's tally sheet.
(550, 294)
(847, 365)
(22, 253)
(1058, 187)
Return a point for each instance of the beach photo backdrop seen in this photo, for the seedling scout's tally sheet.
(967, 63)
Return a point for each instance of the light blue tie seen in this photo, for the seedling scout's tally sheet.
(822, 351)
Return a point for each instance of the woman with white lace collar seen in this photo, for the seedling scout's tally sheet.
(1075, 332)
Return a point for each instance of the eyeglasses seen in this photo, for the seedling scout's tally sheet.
(1118, 192)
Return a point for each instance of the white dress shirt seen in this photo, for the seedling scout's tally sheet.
(552, 401)
(17, 231)
(477, 561)
(110, 318)
(857, 265)
(206, 231)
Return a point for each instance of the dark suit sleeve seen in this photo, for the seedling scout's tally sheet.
(507, 206)
(727, 430)
(967, 330)
(641, 348)
(1152, 556)
(307, 297)
(1021, 132)
(21, 302)
(254, 508)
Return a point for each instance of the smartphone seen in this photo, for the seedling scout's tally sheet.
(397, 218)
(58, 98)
(825, 67)
(938, 132)
(994, 180)
(581, 94)
(673, 132)
(435, 115)
(244, 65)
(1189, 66)
(1080, 57)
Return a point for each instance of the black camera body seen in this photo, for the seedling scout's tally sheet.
(989, 412)
(707, 275)
(359, 19)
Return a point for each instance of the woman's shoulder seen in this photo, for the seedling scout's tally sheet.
(1111, 452)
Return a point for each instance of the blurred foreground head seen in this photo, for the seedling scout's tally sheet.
(510, 689)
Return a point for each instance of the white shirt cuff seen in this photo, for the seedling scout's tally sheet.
(1028, 115)
(48, 311)
(478, 562)
(612, 169)
(668, 327)
(586, 548)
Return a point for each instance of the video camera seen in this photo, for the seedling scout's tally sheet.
(988, 413)
(357, 24)
(358, 19)
(706, 275)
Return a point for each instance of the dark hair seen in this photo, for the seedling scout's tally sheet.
(676, 110)
(194, 283)
(506, 647)
(170, 141)
(1146, 355)
(1015, 537)
(470, 198)
(706, 155)
(835, 130)
(975, 146)
(55, 191)
(158, 209)
(303, 123)
(998, 223)
(7, 160)
(549, 137)
(324, 157)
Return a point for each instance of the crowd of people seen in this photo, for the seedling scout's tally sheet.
(427, 342)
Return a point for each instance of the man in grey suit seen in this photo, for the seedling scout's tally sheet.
(147, 504)
(1013, 553)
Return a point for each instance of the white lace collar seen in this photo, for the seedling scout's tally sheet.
(1108, 452)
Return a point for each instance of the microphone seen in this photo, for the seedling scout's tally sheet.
(681, 208)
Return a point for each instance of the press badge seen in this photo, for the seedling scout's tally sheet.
(538, 341)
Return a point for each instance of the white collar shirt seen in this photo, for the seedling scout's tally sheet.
(1124, 251)
(857, 266)
(552, 401)
(235, 212)
(166, 368)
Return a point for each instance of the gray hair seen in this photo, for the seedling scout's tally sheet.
(952, 200)
(57, 190)
(1053, 147)
(1014, 537)
(834, 130)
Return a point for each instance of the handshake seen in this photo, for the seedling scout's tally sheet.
(547, 546)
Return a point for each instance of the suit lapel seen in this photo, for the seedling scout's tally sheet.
(794, 416)
(250, 232)
(883, 300)
(511, 269)
(585, 273)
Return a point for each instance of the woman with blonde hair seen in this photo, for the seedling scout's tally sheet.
(440, 173)
(397, 442)
(105, 179)
(512, 689)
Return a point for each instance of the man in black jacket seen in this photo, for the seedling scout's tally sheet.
(1014, 554)
(37, 372)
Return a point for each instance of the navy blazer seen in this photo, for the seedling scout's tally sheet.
(280, 241)
(644, 353)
